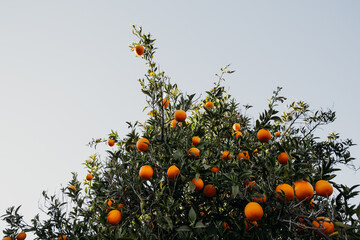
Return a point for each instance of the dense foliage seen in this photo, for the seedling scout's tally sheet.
(163, 207)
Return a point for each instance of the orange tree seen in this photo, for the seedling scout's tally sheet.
(202, 169)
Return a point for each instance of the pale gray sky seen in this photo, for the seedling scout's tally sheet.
(67, 74)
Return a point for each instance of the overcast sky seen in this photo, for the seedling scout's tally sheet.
(67, 74)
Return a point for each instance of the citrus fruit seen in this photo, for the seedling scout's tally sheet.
(114, 217)
(173, 171)
(139, 50)
(324, 224)
(209, 190)
(146, 172)
(180, 115)
(263, 135)
(253, 211)
(287, 189)
(142, 144)
(199, 184)
(303, 190)
(323, 188)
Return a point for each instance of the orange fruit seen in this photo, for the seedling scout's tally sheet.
(110, 201)
(21, 236)
(263, 135)
(62, 237)
(89, 177)
(7, 238)
(277, 134)
(250, 185)
(139, 50)
(120, 206)
(253, 211)
(72, 187)
(236, 126)
(173, 171)
(250, 224)
(323, 188)
(209, 190)
(263, 199)
(303, 190)
(243, 155)
(215, 169)
(165, 103)
(255, 151)
(226, 225)
(114, 217)
(311, 204)
(146, 172)
(193, 153)
(180, 115)
(283, 158)
(202, 214)
(324, 224)
(226, 155)
(238, 134)
(199, 183)
(142, 144)
(209, 105)
(195, 140)
(111, 142)
(287, 189)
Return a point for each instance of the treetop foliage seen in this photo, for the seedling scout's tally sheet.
(219, 173)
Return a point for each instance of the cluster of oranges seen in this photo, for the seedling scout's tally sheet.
(301, 190)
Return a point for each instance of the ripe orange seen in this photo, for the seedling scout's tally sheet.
(238, 134)
(250, 224)
(249, 185)
(263, 199)
(236, 126)
(303, 190)
(139, 50)
(72, 187)
(120, 206)
(226, 225)
(255, 151)
(202, 214)
(7, 238)
(283, 158)
(194, 153)
(173, 171)
(146, 172)
(89, 177)
(165, 103)
(110, 201)
(243, 155)
(209, 105)
(195, 140)
(226, 155)
(324, 224)
(253, 211)
(180, 115)
(277, 134)
(199, 184)
(263, 135)
(114, 217)
(111, 142)
(62, 237)
(323, 188)
(142, 144)
(287, 189)
(209, 190)
(215, 169)
(21, 236)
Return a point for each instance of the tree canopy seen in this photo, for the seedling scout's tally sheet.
(201, 168)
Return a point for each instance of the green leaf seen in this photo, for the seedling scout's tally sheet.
(200, 224)
(183, 228)
(192, 215)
